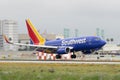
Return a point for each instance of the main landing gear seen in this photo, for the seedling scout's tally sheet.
(58, 56)
(73, 56)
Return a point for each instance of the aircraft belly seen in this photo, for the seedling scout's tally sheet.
(46, 50)
(79, 47)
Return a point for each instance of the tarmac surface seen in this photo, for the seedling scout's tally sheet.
(60, 62)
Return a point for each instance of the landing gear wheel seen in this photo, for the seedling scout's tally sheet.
(73, 56)
(58, 56)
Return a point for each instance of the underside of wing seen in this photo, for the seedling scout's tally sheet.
(44, 48)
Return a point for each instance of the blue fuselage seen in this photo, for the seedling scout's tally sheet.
(78, 44)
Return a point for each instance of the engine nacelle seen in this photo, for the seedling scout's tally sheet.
(63, 50)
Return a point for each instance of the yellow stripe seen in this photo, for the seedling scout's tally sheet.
(40, 38)
(34, 29)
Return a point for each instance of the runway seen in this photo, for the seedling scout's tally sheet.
(60, 62)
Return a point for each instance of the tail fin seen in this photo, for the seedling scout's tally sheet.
(34, 34)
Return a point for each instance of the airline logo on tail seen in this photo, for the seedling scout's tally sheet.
(34, 34)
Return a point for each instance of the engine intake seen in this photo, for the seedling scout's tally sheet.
(63, 50)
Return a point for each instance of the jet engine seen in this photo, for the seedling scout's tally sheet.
(63, 50)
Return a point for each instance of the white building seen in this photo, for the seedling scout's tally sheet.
(111, 48)
(10, 29)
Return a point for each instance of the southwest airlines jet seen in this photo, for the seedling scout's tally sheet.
(87, 44)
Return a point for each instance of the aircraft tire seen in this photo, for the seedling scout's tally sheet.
(73, 56)
(58, 56)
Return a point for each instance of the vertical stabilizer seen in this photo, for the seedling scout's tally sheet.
(34, 34)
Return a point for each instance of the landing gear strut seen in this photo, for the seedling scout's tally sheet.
(73, 56)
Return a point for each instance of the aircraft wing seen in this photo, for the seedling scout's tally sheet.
(31, 45)
(45, 48)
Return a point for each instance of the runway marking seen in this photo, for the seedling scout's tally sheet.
(60, 62)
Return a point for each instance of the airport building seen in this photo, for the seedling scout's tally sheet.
(1, 42)
(23, 38)
(10, 29)
(110, 49)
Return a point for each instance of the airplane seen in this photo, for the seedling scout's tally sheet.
(87, 44)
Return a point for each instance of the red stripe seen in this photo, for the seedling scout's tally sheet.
(32, 34)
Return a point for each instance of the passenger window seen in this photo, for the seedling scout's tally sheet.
(97, 39)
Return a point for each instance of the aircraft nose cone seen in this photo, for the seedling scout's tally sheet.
(103, 43)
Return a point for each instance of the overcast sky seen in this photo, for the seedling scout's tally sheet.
(55, 15)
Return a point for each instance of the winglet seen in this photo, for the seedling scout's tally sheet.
(6, 39)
